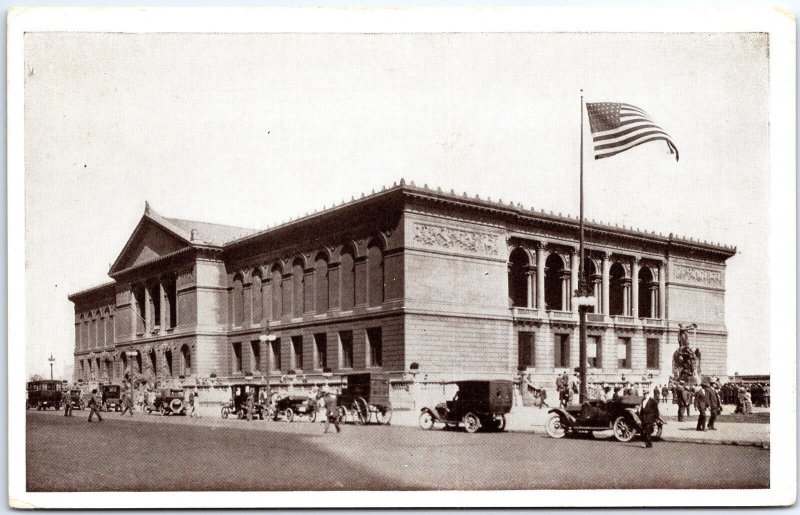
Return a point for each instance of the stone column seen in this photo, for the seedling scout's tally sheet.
(564, 290)
(635, 289)
(662, 291)
(530, 273)
(626, 297)
(606, 278)
(541, 257)
(148, 310)
(653, 301)
(164, 304)
(573, 277)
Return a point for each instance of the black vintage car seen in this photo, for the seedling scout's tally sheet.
(620, 416)
(111, 397)
(476, 405)
(237, 406)
(76, 399)
(293, 406)
(44, 394)
(169, 401)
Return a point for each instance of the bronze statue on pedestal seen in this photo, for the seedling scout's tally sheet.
(685, 362)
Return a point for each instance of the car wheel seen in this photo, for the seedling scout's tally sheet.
(225, 412)
(426, 420)
(472, 423)
(623, 429)
(500, 423)
(555, 427)
(312, 416)
(163, 411)
(147, 409)
(240, 414)
(289, 414)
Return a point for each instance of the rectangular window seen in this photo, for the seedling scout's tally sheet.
(297, 352)
(346, 349)
(138, 296)
(525, 342)
(155, 300)
(172, 300)
(561, 350)
(275, 355)
(593, 349)
(375, 343)
(320, 351)
(237, 357)
(256, 354)
(623, 352)
(652, 353)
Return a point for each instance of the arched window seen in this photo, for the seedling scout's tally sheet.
(375, 275)
(238, 300)
(647, 291)
(347, 284)
(186, 360)
(517, 280)
(553, 275)
(277, 292)
(152, 362)
(616, 290)
(258, 302)
(321, 283)
(298, 283)
(109, 329)
(101, 331)
(168, 362)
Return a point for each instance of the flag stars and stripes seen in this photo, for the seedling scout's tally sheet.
(617, 127)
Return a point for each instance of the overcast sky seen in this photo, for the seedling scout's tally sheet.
(252, 129)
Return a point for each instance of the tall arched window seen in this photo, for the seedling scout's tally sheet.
(347, 284)
(298, 283)
(186, 360)
(616, 290)
(258, 302)
(517, 280)
(553, 274)
(101, 331)
(321, 283)
(238, 300)
(375, 275)
(647, 292)
(277, 292)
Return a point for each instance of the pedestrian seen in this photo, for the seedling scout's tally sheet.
(648, 414)
(127, 404)
(748, 402)
(766, 395)
(680, 399)
(664, 393)
(701, 404)
(331, 411)
(714, 406)
(93, 406)
(191, 404)
(657, 393)
(67, 400)
(250, 404)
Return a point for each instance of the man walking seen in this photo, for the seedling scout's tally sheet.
(127, 404)
(331, 412)
(714, 406)
(656, 393)
(680, 400)
(701, 404)
(250, 405)
(93, 406)
(648, 414)
(66, 399)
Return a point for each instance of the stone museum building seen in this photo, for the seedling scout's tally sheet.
(424, 285)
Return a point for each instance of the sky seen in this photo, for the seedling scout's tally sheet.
(253, 129)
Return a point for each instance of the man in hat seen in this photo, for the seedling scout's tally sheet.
(648, 414)
(94, 406)
(701, 404)
(680, 400)
(714, 406)
(331, 411)
(66, 399)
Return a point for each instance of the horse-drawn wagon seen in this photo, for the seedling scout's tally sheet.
(366, 398)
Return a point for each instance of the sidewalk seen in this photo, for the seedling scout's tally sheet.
(532, 420)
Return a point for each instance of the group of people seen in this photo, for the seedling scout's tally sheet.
(143, 399)
(318, 398)
(746, 396)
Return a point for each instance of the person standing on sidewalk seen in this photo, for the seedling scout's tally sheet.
(664, 393)
(680, 399)
(66, 398)
(127, 404)
(714, 406)
(701, 404)
(93, 407)
(656, 393)
(648, 414)
(331, 412)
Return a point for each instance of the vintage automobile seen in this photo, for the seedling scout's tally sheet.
(620, 416)
(169, 401)
(293, 406)
(476, 405)
(111, 397)
(44, 394)
(76, 399)
(366, 397)
(238, 403)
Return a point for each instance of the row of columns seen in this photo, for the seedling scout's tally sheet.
(101, 328)
(148, 322)
(600, 285)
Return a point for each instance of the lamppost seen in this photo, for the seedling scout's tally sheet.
(52, 360)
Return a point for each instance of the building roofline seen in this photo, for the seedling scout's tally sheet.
(94, 289)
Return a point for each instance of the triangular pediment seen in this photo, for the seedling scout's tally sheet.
(150, 241)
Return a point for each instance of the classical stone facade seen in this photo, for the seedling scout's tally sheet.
(454, 285)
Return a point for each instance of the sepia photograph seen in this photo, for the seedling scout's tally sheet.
(295, 257)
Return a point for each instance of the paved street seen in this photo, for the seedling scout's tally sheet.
(178, 453)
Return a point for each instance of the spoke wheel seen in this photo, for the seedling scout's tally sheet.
(289, 414)
(225, 412)
(362, 410)
(623, 430)
(312, 415)
(342, 414)
(472, 423)
(500, 423)
(384, 414)
(555, 427)
(426, 420)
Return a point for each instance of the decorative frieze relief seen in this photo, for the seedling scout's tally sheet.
(699, 276)
(455, 239)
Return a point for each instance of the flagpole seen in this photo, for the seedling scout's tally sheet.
(581, 290)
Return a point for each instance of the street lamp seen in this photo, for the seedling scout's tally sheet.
(52, 360)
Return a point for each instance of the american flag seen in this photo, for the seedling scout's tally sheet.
(616, 127)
